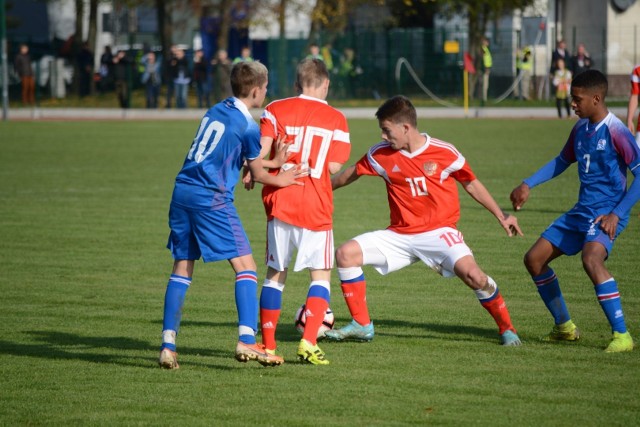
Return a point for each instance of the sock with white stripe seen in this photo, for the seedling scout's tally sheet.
(247, 305)
(549, 290)
(609, 299)
(173, 301)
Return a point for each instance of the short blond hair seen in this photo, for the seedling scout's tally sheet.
(247, 75)
(311, 72)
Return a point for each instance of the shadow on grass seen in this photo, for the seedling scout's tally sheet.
(430, 330)
(121, 350)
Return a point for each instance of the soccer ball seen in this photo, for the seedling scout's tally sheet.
(327, 322)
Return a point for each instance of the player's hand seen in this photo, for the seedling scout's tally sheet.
(519, 196)
(247, 179)
(292, 176)
(510, 225)
(608, 224)
(281, 153)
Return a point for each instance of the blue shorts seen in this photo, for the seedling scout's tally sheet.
(213, 234)
(569, 233)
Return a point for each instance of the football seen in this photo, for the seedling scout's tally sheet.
(327, 322)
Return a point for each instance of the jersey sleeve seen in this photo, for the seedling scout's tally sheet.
(268, 123)
(341, 142)
(635, 81)
(464, 174)
(251, 142)
(367, 165)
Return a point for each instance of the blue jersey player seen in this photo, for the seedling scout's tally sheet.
(203, 220)
(603, 149)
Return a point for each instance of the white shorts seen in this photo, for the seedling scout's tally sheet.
(388, 251)
(315, 248)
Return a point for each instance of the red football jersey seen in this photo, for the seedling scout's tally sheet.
(421, 186)
(635, 87)
(318, 134)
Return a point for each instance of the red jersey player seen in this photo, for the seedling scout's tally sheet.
(633, 103)
(420, 173)
(302, 220)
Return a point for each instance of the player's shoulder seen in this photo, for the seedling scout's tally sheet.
(382, 147)
(438, 143)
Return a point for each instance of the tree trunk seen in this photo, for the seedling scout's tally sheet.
(77, 42)
(164, 28)
(282, 51)
(225, 24)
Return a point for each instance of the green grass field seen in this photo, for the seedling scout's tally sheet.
(83, 219)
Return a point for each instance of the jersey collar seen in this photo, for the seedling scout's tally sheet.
(311, 98)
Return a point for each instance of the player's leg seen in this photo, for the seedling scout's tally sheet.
(177, 287)
(271, 306)
(278, 255)
(537, 261)
(489, 295)
(184, 249)
(315, 253)
(246, 288)
(349, 258)
(384, 250)
(594, 255)
(316, 306)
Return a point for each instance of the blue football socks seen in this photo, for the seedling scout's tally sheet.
(609, 299)
(173, 302)
(549, 290)
(247, 305)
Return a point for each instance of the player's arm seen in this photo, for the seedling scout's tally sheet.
(555, 167)
(278, 160)
(345, 177)
(334, 167)
(283, 179)
(631, 112)
(481, 195)
(629, 152)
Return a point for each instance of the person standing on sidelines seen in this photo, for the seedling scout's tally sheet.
(300, 217)
(562, 83)
(487, 64)
(421, 175)
(603, 149)
(24, 69)
(203, 219)
(633, 103)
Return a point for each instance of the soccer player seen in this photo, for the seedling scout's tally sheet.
(300, 218)
(203, 219)
(633, 103)
(603, 148)
(420, 173)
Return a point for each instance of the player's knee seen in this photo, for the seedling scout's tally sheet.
(347, 255)
(592, 262)
(532, 263)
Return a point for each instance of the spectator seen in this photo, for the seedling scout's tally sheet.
(524, 63)
(201, 78)
(348, 72)
(487, 63)
(221, 72)
(562, 82)
(85, 69)
(122, 74)
(581, 61)
(559, 53)
(152, 79)
(170, 73)
(24, 69)
(314, 52)
(245, 55)
(106, 70)
(181, 79)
